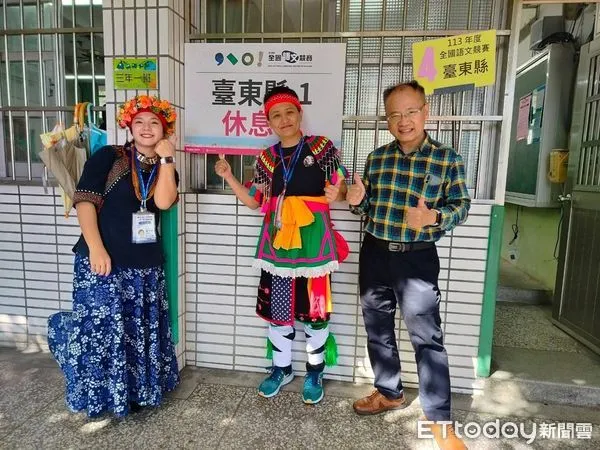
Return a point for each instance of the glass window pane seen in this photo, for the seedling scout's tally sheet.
(13, 17)
(253, 15)
(83, 55)
(214, 181)
(69, 70)
(3, 87)
(70, 86)
(248, 162)
(373, 15)
(17, 94)
(32, 72)
(348, 156)
(31, 46)
(49, 82)
(66, 15)
(415, 14)
(14, 44)
(272, 14)
(437, 14)
(97, 15)
(351, 90)
(83, 15)
(85, 88)
(30, 16)
(6, 169)
(354, 13)
(367, 102)
(458, 14)
(35, 129)
(313, 18)
(197, 180)
(214, 16)
(394, 17)
(20, 138)
(99, 54)
(234, 16)
(48, 14)
(101, 97)
(291, 16)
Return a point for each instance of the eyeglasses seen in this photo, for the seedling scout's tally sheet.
(409, 114)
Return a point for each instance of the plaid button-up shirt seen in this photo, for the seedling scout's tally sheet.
(395, 181)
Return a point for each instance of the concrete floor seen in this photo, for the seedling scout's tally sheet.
(220, 410)
(530, 327)
(514, 285)
(512, 276)
(543, 360)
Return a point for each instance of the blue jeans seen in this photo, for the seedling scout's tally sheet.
(410, 281)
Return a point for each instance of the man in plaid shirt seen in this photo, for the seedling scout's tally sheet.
(413, 191)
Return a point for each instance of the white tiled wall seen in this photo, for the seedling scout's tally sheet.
(150, 29)
(218, 297)
(36, 262)
(223, 330)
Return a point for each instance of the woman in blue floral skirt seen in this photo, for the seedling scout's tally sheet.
(115, 348)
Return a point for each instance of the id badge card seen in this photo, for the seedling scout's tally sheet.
(143, 230)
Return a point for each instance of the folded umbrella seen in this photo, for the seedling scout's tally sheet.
(65, 159)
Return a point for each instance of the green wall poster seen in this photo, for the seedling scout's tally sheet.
(135, 73)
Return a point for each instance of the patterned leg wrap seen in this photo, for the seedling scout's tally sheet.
(280, 339)
(316, 336)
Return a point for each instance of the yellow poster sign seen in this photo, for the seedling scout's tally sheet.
(465, 60)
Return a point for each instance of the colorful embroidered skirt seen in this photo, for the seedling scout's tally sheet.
(295, 279)
(280, 300)
(317, 255)
(115, 347)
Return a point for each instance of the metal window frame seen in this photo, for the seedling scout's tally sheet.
(29, 111)
(491, 124)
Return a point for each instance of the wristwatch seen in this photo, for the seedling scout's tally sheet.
(438, 218)
(167, 160)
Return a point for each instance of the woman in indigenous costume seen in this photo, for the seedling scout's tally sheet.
(294, 182)
(115, 348)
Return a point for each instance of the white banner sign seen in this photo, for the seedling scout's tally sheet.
(225, 85)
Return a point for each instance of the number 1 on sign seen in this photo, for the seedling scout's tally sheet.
(427, 66)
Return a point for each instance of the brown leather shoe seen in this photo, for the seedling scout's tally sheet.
(445, 437)
(377, 403)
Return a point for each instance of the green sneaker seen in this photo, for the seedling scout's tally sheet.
(313, 387)
(272, 384)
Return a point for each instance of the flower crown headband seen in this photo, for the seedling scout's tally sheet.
(148, 103)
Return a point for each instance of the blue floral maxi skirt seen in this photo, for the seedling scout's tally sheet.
(115, 347)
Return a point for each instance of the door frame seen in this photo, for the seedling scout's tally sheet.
(571, 193)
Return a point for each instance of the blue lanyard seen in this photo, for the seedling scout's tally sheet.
(144, 187)
(289, 170)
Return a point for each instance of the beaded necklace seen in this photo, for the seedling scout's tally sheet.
(135, 178)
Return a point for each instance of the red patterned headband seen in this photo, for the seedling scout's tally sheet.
(281, 98)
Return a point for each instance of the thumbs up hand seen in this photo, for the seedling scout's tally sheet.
(333, 190)
(222, 167)
(420, 216)
(356, 192)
